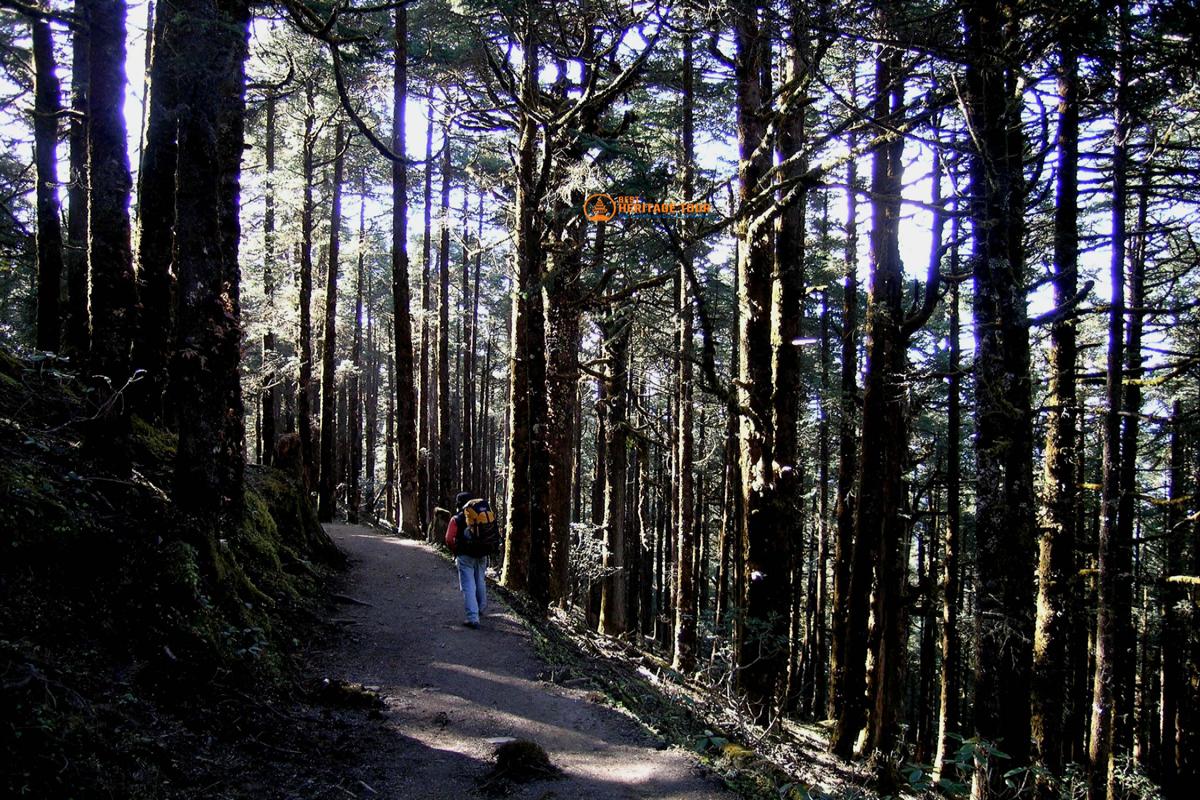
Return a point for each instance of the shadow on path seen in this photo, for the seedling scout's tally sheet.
(449, 689)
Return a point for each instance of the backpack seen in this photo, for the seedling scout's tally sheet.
(479, 534)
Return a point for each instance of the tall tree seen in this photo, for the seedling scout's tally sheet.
(446, 436)
(877, 558)
(76, 341)
(1113, 555)
(839, 616)
(326, 495)
(405, 391)
(762, 633)
(46, 106)
(614, 605)
(1056, 557)
(528, 354)
(685, 546)
(304, 331)
(113, 287)
(269, 394)
(209, 464)
(1004, 508)
(156, 212)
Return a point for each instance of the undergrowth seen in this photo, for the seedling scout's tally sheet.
(123, 622)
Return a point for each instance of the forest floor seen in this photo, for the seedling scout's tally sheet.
(448, 692)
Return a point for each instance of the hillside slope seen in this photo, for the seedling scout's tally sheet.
(134, 641)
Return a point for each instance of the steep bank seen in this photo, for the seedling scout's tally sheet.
(129, 633)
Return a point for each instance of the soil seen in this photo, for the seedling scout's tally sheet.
(452, 694)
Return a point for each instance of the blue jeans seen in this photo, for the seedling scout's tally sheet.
(471, 581)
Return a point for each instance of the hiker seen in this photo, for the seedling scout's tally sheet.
(472, 537)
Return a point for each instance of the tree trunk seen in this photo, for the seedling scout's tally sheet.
(46, 107)
(563, 338)
(156, 209)
(426, 407)
(326, 500)
(1175, 635)
(304, 346)
(847, 445)
(1125, 639)
(269, 393)
(951, 646)
(787, 312)
(406, 401)
(467, 373)
(526, 557)
(389, 443)
(113, 285)
(205, 370)
(1056, 602)
(762, 635)
(76, 329)
(878, 521)
(445, 489)
(685, 546)
(613, 616)
(1003, 420)
(353, 388)
(1113, 562)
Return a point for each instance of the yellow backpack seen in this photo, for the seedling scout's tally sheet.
(481, 534)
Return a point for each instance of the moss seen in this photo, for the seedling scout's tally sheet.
(180, 572)
(10, 365)
(116, 599)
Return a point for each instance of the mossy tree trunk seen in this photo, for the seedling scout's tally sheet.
(1003, 420)
(1056, 601)
(210, 461)
(113, 286)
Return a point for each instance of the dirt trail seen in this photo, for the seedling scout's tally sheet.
(448, 689)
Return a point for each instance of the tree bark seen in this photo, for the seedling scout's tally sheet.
(113, 285)
(405, 391)
(563, 338)
(77, 335)
(843, 547)
(156, 210)
(326, 500)
(1003, 422)
(613, 601)
(1113, 561)
(878, 523)
(205, 369)
(761, 639)
(426, 407)
(685, 546)
(1056, 601)
(269, 394)
(304, 334)
(353, 382)
(951, 645)
(46, 106)
(526, 557)
(444, 489)
(467, 374)
(1175, 635)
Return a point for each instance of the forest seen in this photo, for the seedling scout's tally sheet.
(840, 357)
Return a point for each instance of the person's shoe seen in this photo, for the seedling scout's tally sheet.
(472, 625)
